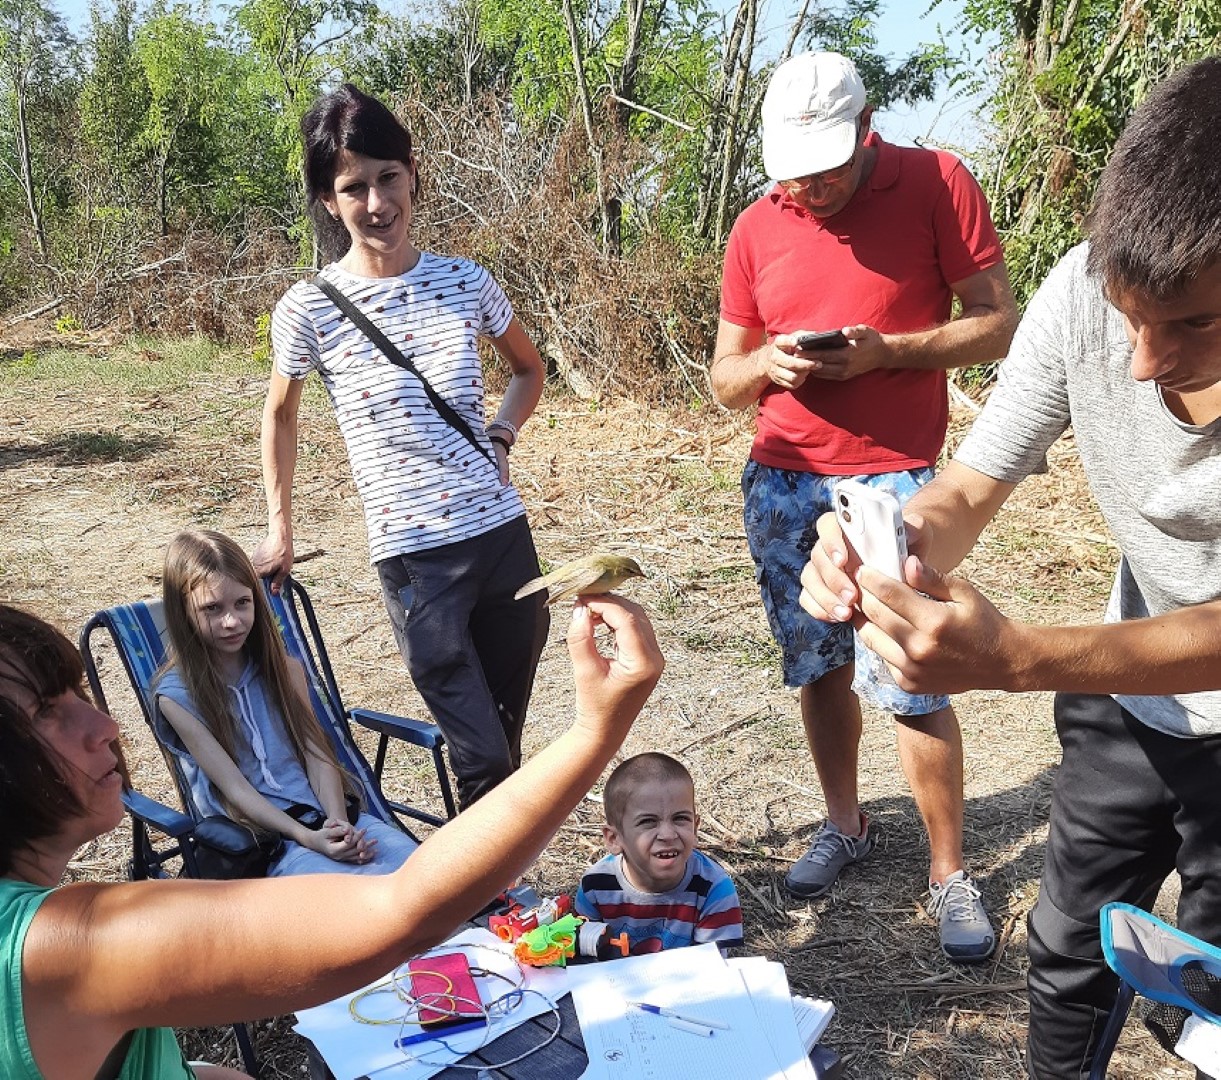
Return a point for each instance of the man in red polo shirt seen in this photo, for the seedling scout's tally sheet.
(874, 240)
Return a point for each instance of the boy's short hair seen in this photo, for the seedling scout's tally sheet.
(647, 768)
(1153, 227)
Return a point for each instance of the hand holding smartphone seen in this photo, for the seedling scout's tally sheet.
(822, 339)
(872, 524)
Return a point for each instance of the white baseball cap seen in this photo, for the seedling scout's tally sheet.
(809, 115)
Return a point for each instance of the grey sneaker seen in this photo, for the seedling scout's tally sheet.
(829, 852)
(966, 934)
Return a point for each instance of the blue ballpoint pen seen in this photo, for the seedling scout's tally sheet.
(420, 1037)
(441, 1033)
(673, 1014)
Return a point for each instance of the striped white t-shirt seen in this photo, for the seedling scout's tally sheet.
(421, 481)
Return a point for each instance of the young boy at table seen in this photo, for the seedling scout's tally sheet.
(654, 885)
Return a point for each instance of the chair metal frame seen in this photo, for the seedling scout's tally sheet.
(136, 633)
(1116, 1018)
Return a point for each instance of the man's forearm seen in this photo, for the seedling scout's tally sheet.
(977, 336)
(954, 508)
(1177, 653)
(738, 379)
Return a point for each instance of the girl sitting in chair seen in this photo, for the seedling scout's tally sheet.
(233, 708)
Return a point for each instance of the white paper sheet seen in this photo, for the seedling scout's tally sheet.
(354, 1050)
(813, 1016)
(1200, 1043)
(768, 986)
(626, 1044)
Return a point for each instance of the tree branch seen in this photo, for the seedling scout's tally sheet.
(1069, 22)
(1112, 51)
(652, 112)
(595, 151)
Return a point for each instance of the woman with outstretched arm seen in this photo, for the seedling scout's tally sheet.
(115, 965)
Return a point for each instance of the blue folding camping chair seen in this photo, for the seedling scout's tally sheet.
(138, 633)
(1179, 973)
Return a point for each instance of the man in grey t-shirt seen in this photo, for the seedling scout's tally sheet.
(1123, 343)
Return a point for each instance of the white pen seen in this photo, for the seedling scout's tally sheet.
(673, 1014)
(687, 1025)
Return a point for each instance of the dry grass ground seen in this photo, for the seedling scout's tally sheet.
(107, 449)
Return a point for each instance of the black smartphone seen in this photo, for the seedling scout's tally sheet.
(823, 339)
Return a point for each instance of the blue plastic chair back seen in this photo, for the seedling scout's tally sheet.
(138, 631)
(1151, 956)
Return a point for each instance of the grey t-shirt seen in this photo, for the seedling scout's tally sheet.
(1156, 479)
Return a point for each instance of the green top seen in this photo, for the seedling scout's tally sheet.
(153, 1054)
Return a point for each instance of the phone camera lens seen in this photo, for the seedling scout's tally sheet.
(843, 501)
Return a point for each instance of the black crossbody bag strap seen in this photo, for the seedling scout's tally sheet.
(366, 327)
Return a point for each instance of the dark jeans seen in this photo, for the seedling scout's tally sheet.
(1129, 806)
(472, 650)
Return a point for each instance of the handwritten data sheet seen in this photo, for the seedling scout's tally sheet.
(624, 1043)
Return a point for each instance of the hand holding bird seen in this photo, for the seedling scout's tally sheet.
(588, 575)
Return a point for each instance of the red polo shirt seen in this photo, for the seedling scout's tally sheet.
(886, 260)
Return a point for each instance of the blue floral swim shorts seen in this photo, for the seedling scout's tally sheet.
(781, 508)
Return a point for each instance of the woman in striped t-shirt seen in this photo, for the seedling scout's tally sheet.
(447, 530)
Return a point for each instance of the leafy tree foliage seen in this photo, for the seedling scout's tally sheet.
(1068, 76)
(114, 101)
(36, 88)
(852, 31)
(187, 71)
(443, 58)
(590, 151)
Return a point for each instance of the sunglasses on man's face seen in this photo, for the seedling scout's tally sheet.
(825, 178)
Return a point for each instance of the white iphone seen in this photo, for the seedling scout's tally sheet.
(872, 523)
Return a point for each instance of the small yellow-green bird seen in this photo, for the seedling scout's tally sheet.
(590, 574)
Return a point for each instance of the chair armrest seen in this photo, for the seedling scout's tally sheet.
(418, 732)
(158, 815)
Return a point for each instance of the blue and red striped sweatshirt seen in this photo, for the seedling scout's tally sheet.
(704, 906)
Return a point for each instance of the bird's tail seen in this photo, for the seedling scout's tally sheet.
(533, 586)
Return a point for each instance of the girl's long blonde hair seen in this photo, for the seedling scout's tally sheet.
(192, 557)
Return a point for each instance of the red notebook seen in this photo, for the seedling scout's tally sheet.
(446, 990)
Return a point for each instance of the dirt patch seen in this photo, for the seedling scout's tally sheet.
(106, 452)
